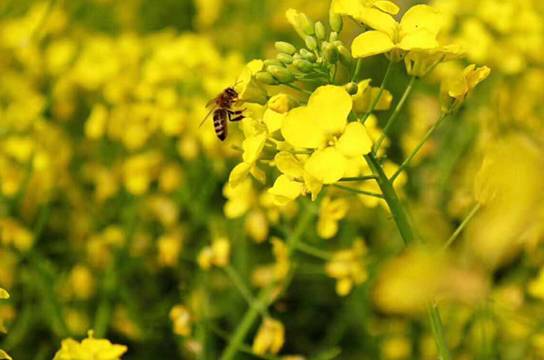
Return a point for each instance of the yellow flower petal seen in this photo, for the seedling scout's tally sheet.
(299, 129)
(252, 147)
(239, 173)
(327, 165)
(3, 294)
(285, 190)
(419, 40)
(288, 164)
(355, 140)
(330, 106)
(273, 120)
(371, 43)
(387, 7)
(421, 17)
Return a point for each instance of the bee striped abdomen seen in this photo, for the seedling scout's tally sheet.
(220, 123)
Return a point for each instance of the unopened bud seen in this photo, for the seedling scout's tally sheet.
(333, 36)
(335, 21)
(271, 62)
(300, 22)
(284, 58)
(331, 53)
(266, 78)
(306, 55)
(320, 31)
(280, 73)
(352, 88)
(285, 47)
(345, 55)
(303, 65)
(311, 42)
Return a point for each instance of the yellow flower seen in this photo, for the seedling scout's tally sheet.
(536, 286)
(270, 337)
(330, 212)
(250, 90)
(455, 90)
(366, 95)
(252, 147)
(417, 30)
(374, 13)
(346, 266)
(218, 254)
(285, 190)
(322, 125)
(181, 319)
(89, 348)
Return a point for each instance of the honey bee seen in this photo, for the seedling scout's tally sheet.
(222, 109)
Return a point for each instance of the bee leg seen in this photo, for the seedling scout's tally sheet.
(238, 118)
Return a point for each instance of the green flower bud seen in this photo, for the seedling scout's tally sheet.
(300, 22)
(345, 55)
(266, 78)
(285, 58)
(335, 21)
(320, 31)
(333, 36)
(352, 88)
(280, 73)
(306, 55)
(271, 62)
(330, 52)
(285, 47)
(303, 65)
(311, 42)
(297, 56)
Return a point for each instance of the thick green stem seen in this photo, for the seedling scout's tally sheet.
(390, 196)
(395, 113)
(438, 332)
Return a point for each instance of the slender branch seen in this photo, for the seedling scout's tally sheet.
(395, 113)
(243, 289)
(267, 295)
(463, 224)
(376, 101)
(297, 88)
(357, 70)
(438, 332)
(358, 178)
(358, 191)
(428, 134)
(313, 251)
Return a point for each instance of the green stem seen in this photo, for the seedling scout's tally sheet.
(243, 289)
(245, 325)
(438, 332)
(357, 70)
(298, 88)
(462, 225)
(395, 113)
(265, 297)
(313, 251)
(428, 134)
(390, 196)
(358, 191)
(358, 178)
(376, 101)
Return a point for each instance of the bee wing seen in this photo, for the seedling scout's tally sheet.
(208, 114)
